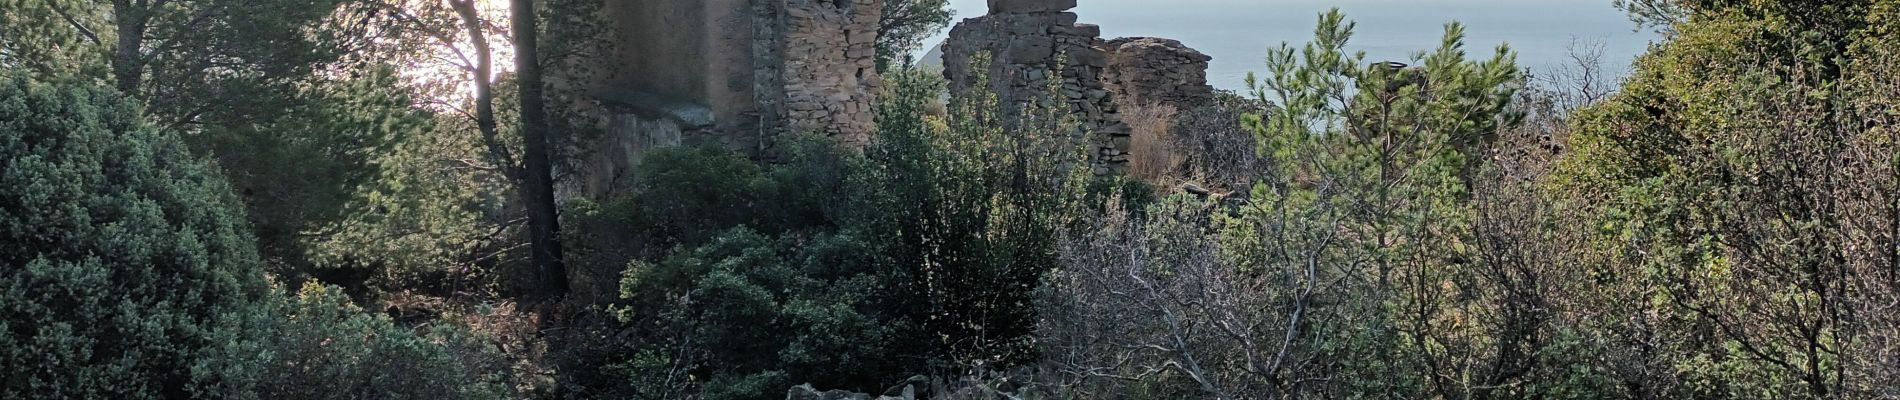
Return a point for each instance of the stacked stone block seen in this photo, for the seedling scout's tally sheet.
(827, 67)
(1032, 47)
(735, 73)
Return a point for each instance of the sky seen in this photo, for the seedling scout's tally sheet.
(1237, 33)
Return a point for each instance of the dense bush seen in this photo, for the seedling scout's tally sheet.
(298, 171)
(126, 271)
(317, 345)
(741, 277)
(1743, 182)
(1726, 225)
(755, 316)
(1214, 147)
(119, 250)
(1340, 273)
(432, 219)
(1722, 227)
(686, 197)
(838, 268)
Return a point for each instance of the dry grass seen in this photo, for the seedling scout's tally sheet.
(1150, 156)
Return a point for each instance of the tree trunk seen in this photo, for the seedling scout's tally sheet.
(484, 100)
(128, 63)
(543, 219)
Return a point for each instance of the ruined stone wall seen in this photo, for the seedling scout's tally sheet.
(692, 51)
(733, 73)
(1156, 71)
(1034, 45)
(828, 68)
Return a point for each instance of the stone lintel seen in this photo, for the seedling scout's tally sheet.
(1030, 6)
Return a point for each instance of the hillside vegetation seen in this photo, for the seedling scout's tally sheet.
(350, 199)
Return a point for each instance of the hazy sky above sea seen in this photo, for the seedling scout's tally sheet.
(1238, 33)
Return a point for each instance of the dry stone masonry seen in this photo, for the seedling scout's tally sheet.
(1156, 71)
(1032, 45)
(828, 67)
(734, 73)
(742, 73)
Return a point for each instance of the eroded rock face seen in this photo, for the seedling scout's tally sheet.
(1023, 49)
(1154, 71)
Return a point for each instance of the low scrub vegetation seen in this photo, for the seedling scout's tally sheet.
(298, 221)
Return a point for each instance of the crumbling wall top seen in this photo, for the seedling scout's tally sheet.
(1030, 6)
(1033, 46)
(1146, 71)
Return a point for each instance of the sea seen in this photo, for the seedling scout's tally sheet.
(1545, 34)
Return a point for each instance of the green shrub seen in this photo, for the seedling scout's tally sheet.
(841, 268)
(317, 345)
(300, 169)
(749, 314)
(118, 248)
(420, 225)
(126, 271)
(686, 196)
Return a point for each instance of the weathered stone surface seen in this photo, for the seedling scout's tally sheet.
(1083, 30)
(1155, 71)
(806, 392)
(829, 59)
(738, 73)
(1031, 49)
(1033, 46)
(1032, 43)
(1030, 6)
(1066, 18)
(908, 389)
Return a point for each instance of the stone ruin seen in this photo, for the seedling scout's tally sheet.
(735, 73)
(1156, 71)
(742, 73)
(1031, 46)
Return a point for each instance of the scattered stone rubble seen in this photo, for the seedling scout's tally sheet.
(903, 391)
(806, 392)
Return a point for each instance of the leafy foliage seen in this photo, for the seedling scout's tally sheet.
(427, 219)
(1715, 183)
(1714, 230)
(317, 345)
(286, 96)
(1342, 274)
(905, 25)
(120, 249)
(839, 268)
(129, 274)
(300, 171)
(1725, 226)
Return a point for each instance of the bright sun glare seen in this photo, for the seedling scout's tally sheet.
(448, 65)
